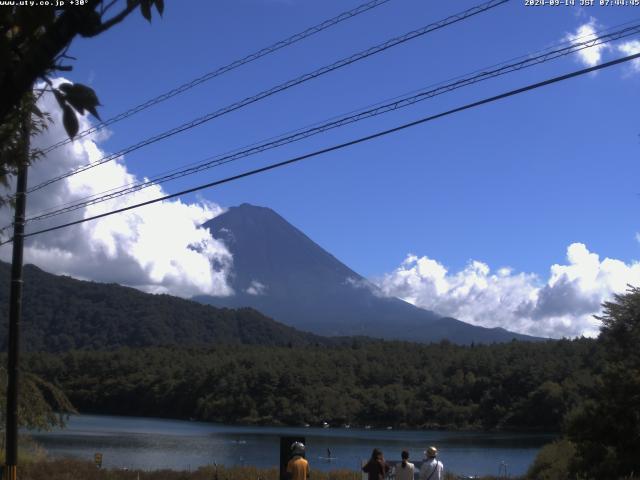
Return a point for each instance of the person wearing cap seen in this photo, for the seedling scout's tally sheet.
(298, 466)
(432, 468)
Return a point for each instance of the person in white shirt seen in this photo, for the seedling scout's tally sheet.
(405, 470)
(432, 468)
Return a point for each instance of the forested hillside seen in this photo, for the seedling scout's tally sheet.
(518, 385)
(61, 313)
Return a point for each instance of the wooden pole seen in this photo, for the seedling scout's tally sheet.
(15, 307)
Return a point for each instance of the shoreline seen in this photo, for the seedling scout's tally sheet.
(372, 426)
(151, 443)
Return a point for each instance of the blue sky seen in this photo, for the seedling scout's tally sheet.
(511, 184)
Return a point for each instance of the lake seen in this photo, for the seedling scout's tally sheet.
(151, 443)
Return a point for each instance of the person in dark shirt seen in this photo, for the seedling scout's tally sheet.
(376, 468)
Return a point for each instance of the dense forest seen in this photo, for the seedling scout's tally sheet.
(116, 350)
(518, 385)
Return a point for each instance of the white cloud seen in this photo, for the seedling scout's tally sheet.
(256, 288)
(363, 283)
(563, 305)
(580, 12)
(159, 248)
(629, 48)
(590, 56)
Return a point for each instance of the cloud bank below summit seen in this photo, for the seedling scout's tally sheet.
(561, 306)
(160, 248)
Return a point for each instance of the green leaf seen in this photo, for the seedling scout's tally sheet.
(145, 8)
(65, 87)
(81, 98)
(70, 121)
(160, 6)
(60, 98)
(94, 112)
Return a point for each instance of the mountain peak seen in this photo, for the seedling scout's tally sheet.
(250, 215)
(281, 272)
(248, 207)
(269, 250)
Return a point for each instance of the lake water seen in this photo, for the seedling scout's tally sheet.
(150, 443)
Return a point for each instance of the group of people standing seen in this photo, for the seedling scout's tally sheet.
(378, 469)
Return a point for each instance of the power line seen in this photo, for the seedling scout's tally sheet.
(284, 86)
(400, 102)
(224, 69)
(592, 37)
(346, 144)
(158, 178)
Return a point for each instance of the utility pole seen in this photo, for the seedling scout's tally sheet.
(15, 305)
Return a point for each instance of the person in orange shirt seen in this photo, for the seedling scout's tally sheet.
(298, 466)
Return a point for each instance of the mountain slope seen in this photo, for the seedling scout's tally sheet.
(61, 313)
(279, 271)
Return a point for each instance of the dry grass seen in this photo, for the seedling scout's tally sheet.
(68, 469)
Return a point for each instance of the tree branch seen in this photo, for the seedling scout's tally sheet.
(115, 20)
(106, 8)
(38, 57)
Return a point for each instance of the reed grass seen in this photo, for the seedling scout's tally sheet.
(71, 469)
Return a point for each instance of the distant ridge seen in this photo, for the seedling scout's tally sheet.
(61, 313)
(281, 272)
